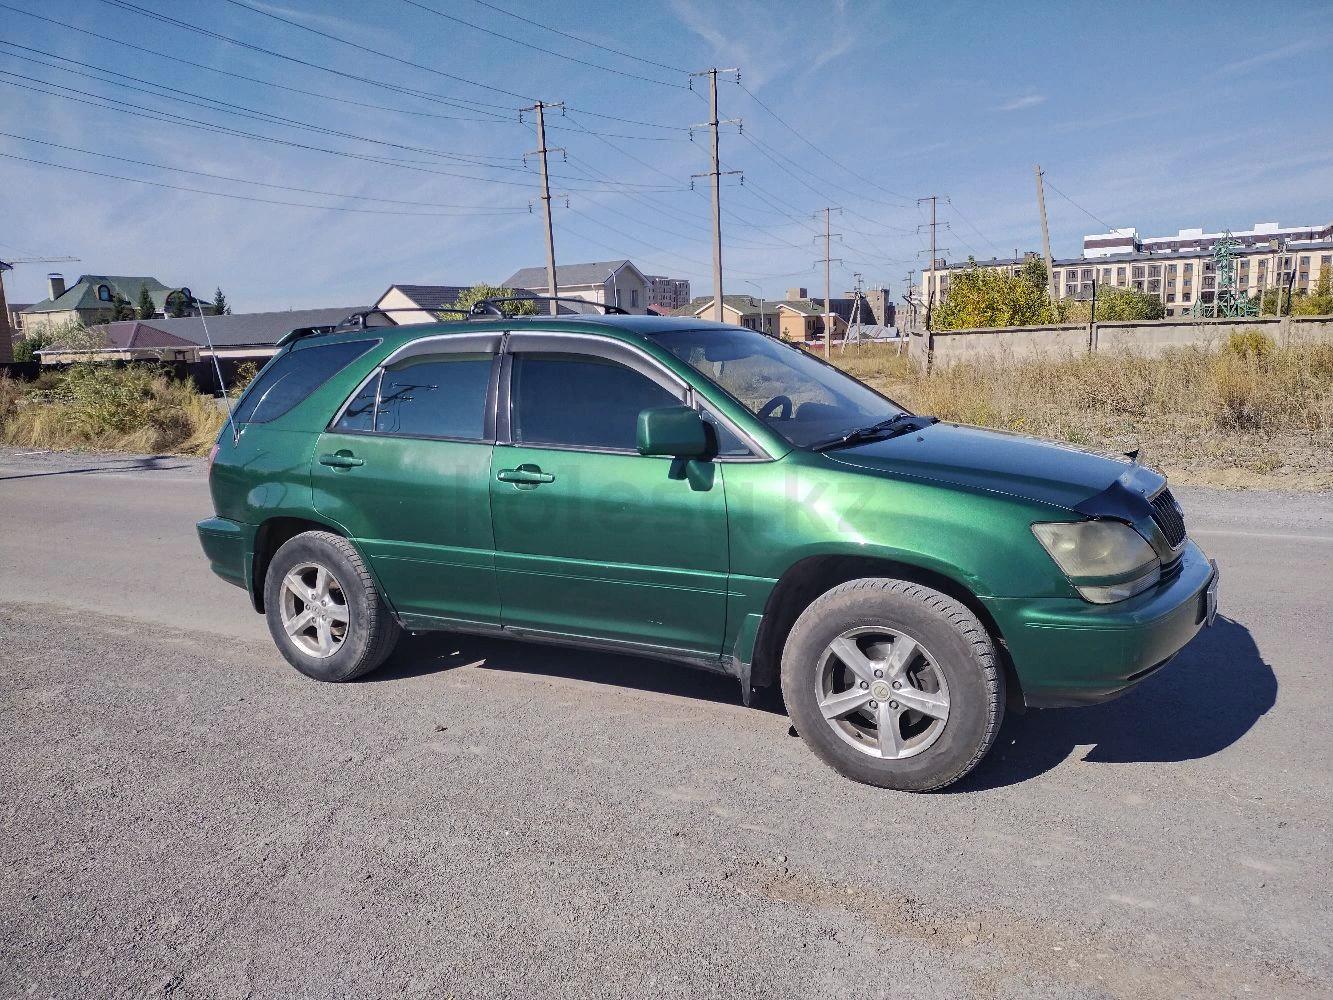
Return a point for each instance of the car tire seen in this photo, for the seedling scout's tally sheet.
(917, 655)
(324, 611)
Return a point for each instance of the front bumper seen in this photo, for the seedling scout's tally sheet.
(1069, 652)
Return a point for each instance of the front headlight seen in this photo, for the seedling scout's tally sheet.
(1106, 561)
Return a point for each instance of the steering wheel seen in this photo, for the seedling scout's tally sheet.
(784, 402)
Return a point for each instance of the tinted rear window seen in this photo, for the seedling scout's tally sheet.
(293, 377)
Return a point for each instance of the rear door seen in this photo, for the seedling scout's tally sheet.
(592, 538)
(405, 467)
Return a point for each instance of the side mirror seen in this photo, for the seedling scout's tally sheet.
(674, 431)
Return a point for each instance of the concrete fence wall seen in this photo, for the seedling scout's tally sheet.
(944, 347)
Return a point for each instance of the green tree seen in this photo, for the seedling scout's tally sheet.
(178, 305)
(27, 346)
(220, 305)
(1115, 303)
(121, 309)
(1319, 301)
(981, 297)
(469, 298)
(146, 309)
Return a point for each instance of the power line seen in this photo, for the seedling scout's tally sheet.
(246, 180)
(781, 121)
(539, 48)
(1109, 228)
(342, 41)
(239, 197)
(154, 114)
(457, 101)
(949, 201)
(777, 156)
(241, 110)
(581, 41)
(120, 42)
(620, 251)
(492, 119)
(125, 5)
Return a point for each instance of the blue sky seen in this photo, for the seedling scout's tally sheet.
(1160, 116)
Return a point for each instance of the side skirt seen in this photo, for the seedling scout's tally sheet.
(713, 663)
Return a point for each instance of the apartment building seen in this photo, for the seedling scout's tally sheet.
(1180, 269)
(669, 293)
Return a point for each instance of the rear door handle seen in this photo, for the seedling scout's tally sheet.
(525, 475)
(341, 460)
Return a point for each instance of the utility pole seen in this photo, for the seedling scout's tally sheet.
(911, 278)
(763, 318)
(827, 260)
(541, 151)
(716, 175)
(930, 286)
(1045, 235)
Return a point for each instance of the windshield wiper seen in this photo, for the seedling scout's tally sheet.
(902, 423)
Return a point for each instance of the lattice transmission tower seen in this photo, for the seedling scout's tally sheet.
(1226, 300)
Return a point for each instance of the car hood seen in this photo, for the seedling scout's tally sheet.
(997, 461)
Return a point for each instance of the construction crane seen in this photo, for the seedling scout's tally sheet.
(36, 260)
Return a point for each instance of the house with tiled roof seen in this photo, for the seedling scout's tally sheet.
(92, 300)
(801, 319)
(610, 282)
(410, 304)
(236, 337)
(739, 310)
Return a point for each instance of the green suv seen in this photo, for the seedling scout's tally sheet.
(705, 494)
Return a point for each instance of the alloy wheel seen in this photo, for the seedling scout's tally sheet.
(882, 692)
(314, 610)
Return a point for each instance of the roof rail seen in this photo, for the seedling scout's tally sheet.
(359, 320)
(491, 307)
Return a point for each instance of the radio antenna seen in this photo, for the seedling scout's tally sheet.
(217, 370)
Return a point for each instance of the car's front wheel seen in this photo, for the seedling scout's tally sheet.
(323, 609)
(893, 684)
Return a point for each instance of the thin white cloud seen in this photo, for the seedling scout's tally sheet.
(1273, 55)
(764, 48)
(1022, 103)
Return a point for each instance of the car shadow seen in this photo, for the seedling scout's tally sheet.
(1215, 690)
(432, 652)
(141, 463)
(1205, 700)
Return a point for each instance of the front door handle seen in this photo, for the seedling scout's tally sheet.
(341, 460)
(525, 477)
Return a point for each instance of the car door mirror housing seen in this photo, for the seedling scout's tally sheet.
(673, 431)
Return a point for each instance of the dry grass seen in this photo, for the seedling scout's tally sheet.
(133, 409)
(1251, 415)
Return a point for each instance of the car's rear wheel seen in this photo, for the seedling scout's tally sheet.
(323, 609)
(893, 684)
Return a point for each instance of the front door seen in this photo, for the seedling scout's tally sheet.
(405, 470)
(592, 538)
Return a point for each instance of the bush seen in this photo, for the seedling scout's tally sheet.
(11, 391)
(1250, 344)
(1115, 304)
(133, 408)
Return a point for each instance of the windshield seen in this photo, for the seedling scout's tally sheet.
(800, 397)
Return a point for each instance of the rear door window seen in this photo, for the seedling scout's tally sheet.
(293, 376)
(440, 396)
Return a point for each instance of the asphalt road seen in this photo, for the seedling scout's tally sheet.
(182, 814)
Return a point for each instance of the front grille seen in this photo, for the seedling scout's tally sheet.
(1166, 514)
